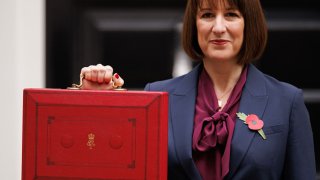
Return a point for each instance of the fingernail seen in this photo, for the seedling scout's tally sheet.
(116, 75)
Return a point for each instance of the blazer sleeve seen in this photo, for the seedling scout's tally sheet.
(300, 158)
(147, 87)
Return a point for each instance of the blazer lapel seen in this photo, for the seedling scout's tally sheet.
(253, 101)
(183, 106)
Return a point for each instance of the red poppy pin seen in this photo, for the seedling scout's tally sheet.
(253, 122)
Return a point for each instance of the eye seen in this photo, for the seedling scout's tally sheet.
(232, 14)
(207, 15)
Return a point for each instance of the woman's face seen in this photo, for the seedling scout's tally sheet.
(220, 31)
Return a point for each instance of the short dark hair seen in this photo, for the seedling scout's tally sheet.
(255, 29)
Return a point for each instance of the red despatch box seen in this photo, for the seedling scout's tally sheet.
(77, 134)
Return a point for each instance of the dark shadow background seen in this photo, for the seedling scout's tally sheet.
(139, 37)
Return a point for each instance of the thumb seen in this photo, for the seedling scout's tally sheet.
(117, 80)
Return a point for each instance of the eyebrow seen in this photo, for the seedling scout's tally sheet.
(228, 9)
(205, 9)
(232, 9)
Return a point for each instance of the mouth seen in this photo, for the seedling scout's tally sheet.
(219, 42)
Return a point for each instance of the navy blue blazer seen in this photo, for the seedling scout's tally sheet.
(288, 151)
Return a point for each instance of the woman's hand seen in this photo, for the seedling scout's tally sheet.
(99, 77)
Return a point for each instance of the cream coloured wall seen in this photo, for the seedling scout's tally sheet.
(21, 65)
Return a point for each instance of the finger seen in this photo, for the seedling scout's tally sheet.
(118, 81)
(108, 74)
(89, 85)
(101, 70)
(86, 72)
(94, 73)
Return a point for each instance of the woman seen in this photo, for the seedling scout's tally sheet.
(228, 120)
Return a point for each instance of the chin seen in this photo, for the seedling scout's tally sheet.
(221, 58)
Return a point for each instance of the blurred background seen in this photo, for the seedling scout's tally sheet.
(44, 43)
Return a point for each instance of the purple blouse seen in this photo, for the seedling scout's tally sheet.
(213, 129)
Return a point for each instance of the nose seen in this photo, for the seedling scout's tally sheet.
(219, 25)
